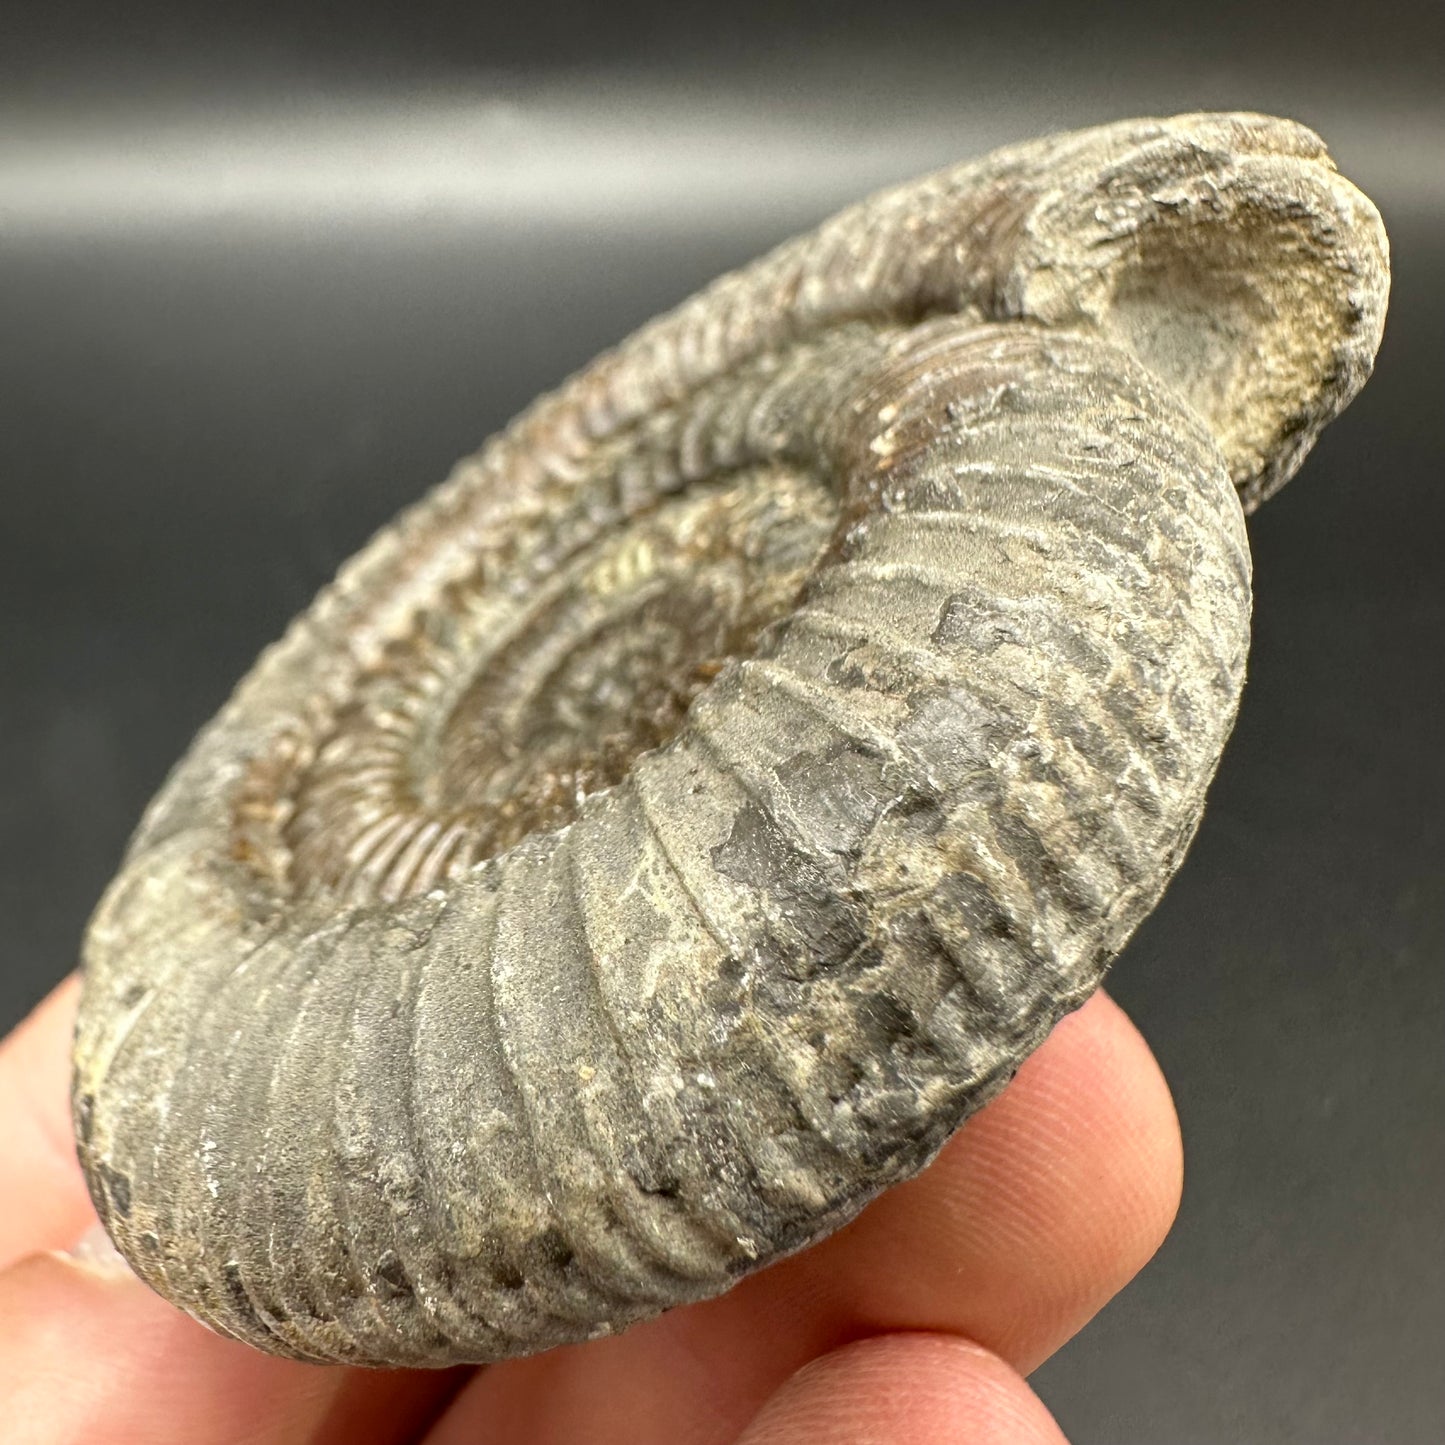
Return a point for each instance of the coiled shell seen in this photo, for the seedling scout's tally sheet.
(661, 838)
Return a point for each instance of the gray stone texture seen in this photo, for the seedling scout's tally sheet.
(660, 839)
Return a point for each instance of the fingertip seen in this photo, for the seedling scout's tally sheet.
(907, 1389)
(1137, 1147)
(1103, 1089)
(1068, 1183)
(1043, 1207)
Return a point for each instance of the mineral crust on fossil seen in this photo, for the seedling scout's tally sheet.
(660, 839)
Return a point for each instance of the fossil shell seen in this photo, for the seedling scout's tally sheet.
(660, 839)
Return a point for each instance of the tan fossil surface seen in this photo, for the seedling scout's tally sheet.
(661, 838)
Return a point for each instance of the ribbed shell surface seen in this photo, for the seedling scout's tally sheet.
(660, 840)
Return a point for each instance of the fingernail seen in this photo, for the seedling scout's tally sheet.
(97, 1251)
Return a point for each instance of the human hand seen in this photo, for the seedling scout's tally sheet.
(913, 1326)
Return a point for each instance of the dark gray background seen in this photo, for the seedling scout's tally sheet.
(265, 272)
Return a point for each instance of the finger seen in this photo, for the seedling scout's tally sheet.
(43, 1203)
(1041, 1209)
(905, 1390)
(87, 1352)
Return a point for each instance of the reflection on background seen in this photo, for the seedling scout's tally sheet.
(599, 150)
(249, 309)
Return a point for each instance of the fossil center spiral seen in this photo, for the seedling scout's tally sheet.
(503, 713)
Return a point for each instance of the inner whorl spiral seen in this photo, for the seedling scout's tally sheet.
(485, 729)
(660, 839)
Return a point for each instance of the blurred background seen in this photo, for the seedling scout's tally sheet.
(267, 270)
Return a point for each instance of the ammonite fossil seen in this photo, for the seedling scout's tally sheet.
(660, 839)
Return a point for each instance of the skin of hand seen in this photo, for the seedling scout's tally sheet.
(915, 1325)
